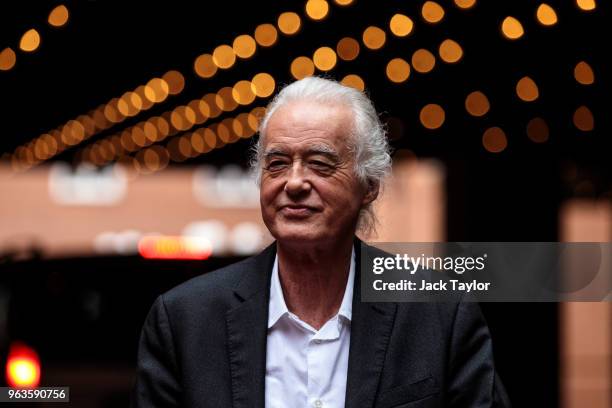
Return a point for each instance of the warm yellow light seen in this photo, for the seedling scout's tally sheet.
(324, 58)
(204, 66)
(58, 16)
(7, 59)
(401, 25)
(266, 35)
(225, 99)
(210, 138)
(423, 61)
(583, 119)
(432, 116)
(302, 67)
(432, 12)
(354, 81)
(111, 113)
(156, 90)
(145, 102)
(23, 371)
(546, 15)
(494, 140)
(211, 101)
(242, 92)
(343, 2)
(175, 81)
(465, 4)
(512, 28)
(150, 131)
(584, 73)
(263, 85)
(347, 48)
(244, 46)
(374, 38)
(223, 56)
(289, 23)
(527, 90)
(586, 5)
(450, 51)
(398, 70)
(30, 41)
(477, 104)
(317, 9)
(537, 130)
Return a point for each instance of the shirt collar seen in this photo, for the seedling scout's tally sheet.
(278, 308)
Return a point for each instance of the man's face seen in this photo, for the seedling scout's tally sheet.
(309, 192)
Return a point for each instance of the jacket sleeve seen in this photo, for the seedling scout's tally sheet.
(473, 380)
(157, 376)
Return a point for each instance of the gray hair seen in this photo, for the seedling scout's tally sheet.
(368, 143)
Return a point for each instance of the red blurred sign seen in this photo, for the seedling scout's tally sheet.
(168, 247)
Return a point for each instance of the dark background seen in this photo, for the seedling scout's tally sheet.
(87, 312)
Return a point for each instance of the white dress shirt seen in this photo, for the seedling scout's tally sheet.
(306, 367)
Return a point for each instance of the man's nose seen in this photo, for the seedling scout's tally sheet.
(297, 181)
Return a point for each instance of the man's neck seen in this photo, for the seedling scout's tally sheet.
(314, 280)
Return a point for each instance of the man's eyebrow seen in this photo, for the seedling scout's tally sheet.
(314, 150)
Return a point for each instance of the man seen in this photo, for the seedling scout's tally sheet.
(286, 328)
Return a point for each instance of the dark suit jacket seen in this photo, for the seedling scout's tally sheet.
(204, 345)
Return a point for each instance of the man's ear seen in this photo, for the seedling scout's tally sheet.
(373, 188)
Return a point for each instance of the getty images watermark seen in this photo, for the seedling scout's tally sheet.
(486, 271)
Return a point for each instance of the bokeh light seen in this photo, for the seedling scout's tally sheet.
(584, 73)
(583, 119)
(324, 58)
(263, 85)
(302, 67)
(58, 16)
(432, 12)
(266, 35)
(432, 116)
(344, 2)
(7, 59)
(477, 104)
(156, 90)
(175, 81)
(423, 61)
(512, 29)
(354, 81)
(242, 92)
(347, 49)
(450, 51)
(527, 90)
(244, 46)
(204, 66)
(225, 99)
(374, 38)
(465, 4)
(537, 130)
(317, 9)
(586, 5)
(494, 140)
(30, 41)
(289, 23)
(223, 56)
(398, 70)
(401, 25)
(546, 15)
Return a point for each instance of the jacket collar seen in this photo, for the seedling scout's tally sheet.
(247, 335)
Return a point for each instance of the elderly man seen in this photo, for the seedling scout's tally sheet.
(286, 328)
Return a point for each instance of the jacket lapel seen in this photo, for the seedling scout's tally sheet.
(247, 332)
(371, 326)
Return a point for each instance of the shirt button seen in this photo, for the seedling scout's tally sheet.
(318, 403)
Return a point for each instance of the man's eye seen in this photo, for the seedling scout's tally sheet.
(317, 164)
(276, 165)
